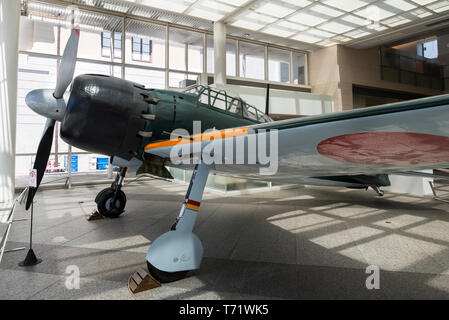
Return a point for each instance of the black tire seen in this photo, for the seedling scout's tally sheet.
(100, 193)
(104, 206)
(165, 277)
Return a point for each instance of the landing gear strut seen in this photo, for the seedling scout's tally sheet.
(379, 192)
(111, 201)
(172, 255)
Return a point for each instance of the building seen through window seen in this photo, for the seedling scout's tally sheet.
(111, 42)
(141, 49)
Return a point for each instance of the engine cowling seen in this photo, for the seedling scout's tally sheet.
(104, 116)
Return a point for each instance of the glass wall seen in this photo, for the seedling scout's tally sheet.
(145, 44)
(252, 61)
(186, 50)
(231, 53)
(231, 57)
(299, 68)
(132, 49)
(423, 62)
(278, 65)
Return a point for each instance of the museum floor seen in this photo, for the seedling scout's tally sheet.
(304, 243)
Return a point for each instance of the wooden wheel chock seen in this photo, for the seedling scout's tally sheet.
(140, 281)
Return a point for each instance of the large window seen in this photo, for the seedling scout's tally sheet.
(145, 44)
(252, 61)
(428, 49)
(299, 68)
(96, 42)
(149, 78)
(105, 40)
(278, 65)
(231, 49)
(186, 50)
(181, 80)
(38, 36)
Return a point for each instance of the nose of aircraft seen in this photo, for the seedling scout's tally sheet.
(45, 104)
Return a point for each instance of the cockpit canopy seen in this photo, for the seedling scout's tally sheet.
(221, 100)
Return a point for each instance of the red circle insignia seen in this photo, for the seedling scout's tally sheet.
(395, 148)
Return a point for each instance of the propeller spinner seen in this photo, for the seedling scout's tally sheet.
(52, 105)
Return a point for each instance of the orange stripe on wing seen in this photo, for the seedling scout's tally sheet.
(220, 134)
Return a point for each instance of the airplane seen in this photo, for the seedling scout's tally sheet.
(138, 128)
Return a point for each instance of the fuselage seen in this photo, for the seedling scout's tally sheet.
(120, 118)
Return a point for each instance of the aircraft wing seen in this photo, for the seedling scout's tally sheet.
(412, 135)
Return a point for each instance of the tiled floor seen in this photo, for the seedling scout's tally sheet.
(305, 243)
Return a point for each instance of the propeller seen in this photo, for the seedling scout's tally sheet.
(52, 106)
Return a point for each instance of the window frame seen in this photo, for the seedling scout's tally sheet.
(140, 51)
(103, 46)
(115, 50)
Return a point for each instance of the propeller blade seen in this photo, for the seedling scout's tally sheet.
(42, 156)
(67, 66)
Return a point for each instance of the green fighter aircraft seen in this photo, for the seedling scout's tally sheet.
(147, 130)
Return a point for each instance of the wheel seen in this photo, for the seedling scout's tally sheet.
(165, 277)
(104, 203)
(100, 193)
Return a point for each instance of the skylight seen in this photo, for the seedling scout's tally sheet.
(317, 22)
(275, 10)
(307, 19)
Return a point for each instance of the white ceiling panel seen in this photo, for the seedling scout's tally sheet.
(307, 23)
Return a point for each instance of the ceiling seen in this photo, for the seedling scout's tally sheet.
(301, 24)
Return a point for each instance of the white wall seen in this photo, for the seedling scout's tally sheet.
(411, 185)
(282, 101)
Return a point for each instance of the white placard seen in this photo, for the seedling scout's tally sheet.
(32, 179)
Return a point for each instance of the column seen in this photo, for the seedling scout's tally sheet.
(9, 43)
(220, 53)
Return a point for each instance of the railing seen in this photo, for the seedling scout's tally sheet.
(66, 174)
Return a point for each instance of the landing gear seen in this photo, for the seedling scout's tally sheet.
(165, 277)
(379, 192)
(172, 255)
(111, 201)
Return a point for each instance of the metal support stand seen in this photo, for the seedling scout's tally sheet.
(30, 259)
(9, 222)
(435, 196)
(180, 249)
